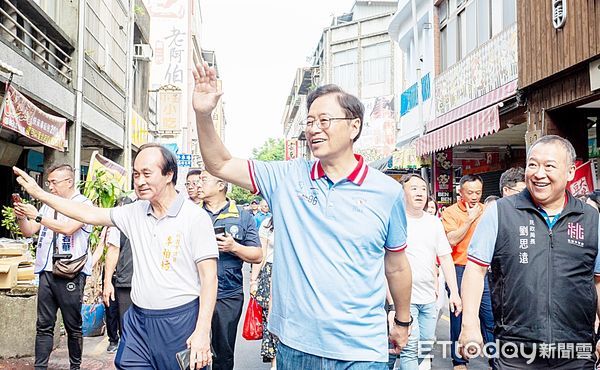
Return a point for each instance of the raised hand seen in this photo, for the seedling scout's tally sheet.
(28, 183)
(206, 93)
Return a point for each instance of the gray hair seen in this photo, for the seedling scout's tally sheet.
(548, 139)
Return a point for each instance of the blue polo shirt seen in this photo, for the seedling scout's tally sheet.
(328, 288)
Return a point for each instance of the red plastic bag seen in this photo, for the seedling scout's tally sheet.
(253, 326)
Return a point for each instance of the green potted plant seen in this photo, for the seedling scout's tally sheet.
(104, 191)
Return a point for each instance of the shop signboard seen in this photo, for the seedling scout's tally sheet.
(443, 177)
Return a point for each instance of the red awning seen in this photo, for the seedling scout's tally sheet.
(472, 127)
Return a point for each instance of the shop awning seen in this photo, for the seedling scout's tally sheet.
(503, 92)
(472, 127)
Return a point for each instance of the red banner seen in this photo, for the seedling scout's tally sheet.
(291, 149)
(22, 116)
(583, 182)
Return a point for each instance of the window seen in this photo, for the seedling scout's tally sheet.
(376, 69)
(443, 48)
(467, 24)
(345, 70)
(484, 29)
(509, 13)
(443, 11)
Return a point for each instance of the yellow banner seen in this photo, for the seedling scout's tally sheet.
(111, 169)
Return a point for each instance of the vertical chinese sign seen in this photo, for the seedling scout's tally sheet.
(443, 177)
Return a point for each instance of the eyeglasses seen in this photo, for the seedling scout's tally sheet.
(54, 182)
(322, 123)
(195, 183)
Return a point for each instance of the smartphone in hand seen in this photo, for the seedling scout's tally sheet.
(220, 230)
(16, 198)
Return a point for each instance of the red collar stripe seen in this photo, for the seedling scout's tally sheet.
(357, 176)
(252, 178)
(360, 172)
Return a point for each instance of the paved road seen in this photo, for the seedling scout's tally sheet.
(247, 353)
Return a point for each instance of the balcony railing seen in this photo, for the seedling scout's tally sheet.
(488, 67)
(19, 30)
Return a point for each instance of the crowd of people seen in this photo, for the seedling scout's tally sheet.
(345, 260)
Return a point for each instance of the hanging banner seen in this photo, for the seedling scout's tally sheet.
(291, 149)
(22, 116)
(443, 177)
(110, 168)
(139, 130)
(584, 181)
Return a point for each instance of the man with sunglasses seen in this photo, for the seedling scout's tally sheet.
(71, 236)
(341, 231)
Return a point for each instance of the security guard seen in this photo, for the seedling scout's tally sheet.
(238, 243)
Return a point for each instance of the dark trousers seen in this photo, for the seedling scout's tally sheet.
(123, 296)
(224, 330)
(152, 338)
(113, 325)
(486, 318)
(55, 293)
(115, 313)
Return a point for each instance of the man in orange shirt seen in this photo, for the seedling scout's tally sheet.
(460, 221)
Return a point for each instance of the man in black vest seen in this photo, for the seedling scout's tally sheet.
(542, 246)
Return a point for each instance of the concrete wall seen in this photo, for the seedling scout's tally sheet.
(18, 315)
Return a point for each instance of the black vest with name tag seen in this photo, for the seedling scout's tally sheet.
(543, 280)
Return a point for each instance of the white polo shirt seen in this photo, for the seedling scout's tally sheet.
(165, 251)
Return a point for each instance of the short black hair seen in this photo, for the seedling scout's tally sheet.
(511, 177)
(352, 106)
(61, 167)
(406, 178)
(193, 172)
(470, 178)
(169, 162)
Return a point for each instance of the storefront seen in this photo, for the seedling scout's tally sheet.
(480, 122)
(559, 71)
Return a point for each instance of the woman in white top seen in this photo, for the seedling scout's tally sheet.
(260, 287)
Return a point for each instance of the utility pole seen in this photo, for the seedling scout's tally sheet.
(79, 89)
(129, 95)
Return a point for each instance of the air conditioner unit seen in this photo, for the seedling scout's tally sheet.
(142, 52)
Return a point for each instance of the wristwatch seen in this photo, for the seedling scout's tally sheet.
(38, 218)
(403, 323)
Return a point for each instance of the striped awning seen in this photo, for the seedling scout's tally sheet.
(495, 96)
(472, 127)
(470, 121)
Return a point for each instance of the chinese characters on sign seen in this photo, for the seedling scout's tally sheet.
(175, 42)
(23, 117)
(444, 177)
(169, 109)
(291, 149)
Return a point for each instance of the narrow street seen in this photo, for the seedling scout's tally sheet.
(247, 356)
